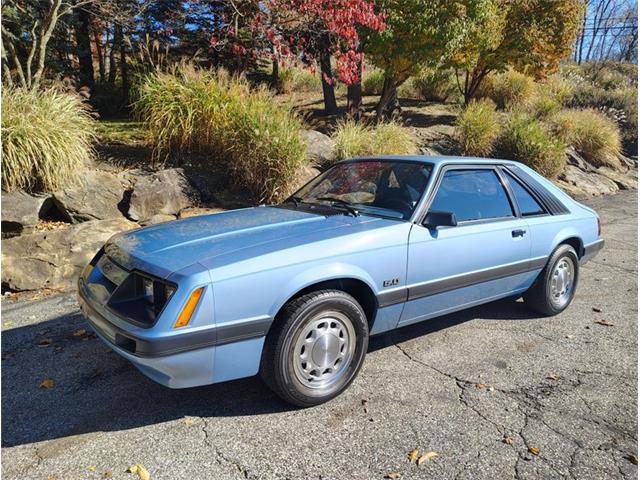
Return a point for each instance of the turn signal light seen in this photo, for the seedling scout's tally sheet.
(189, 308)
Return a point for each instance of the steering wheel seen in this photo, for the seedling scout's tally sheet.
(398, 204)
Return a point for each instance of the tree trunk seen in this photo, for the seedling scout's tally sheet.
(112, 55)
(275, 71)
(124, 74)
(354, 96)
(99, 53)
(388, 104)
(328, 92)
(83, 48)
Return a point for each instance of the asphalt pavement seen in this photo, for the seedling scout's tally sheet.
(496, 392)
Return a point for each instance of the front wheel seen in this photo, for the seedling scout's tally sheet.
(316, 349)
(556, 285)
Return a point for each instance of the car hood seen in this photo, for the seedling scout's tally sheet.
(168, 247)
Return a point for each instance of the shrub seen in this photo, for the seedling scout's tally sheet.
(478, 128)
(525, 139)
(372, 82)
(511, 89)
(358, 140)
(592, 134)
(201, 111)
(47, 139)
(435, 85)
(296, 79)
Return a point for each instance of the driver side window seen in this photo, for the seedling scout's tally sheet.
(472, 195)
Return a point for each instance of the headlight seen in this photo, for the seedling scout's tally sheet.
(141, 298)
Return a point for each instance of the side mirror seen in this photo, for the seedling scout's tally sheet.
(439, 219)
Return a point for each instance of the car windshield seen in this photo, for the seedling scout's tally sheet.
(386, 188)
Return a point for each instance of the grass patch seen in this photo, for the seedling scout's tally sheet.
(354, 139)
(241, 128)
(510, 89)
(372, 82)
(526, 140)
(478, 127)
(591, 133)
(47, 139)
(120, 131)
(295, 79)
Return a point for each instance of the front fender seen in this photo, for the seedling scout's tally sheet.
(318, 274)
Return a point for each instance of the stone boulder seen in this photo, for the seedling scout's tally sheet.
(55, 258)
(21, 212)
(319, 147)
(305, 175)
(579, 183)
(95, 197)
(625, 180)
(165, 192)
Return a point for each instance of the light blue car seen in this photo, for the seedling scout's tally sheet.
(294, 291)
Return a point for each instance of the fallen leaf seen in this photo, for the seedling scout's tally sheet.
(364, 405)
(139, 470)
(596, 309)
(45, 342)
(7, 323)
(91, 468)
(107, 474)
(507, 440)
(569, 337)
(491, 389)
(393, 476)
(188, 421)
(426, 457)
(80, 332)
(605, 323)
(480, 385)
(46, 384)
(553, 376)
(534, 450)
(413, 455)
(632, 458)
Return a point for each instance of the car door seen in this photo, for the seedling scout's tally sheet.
(484, 257)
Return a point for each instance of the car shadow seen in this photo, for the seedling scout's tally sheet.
(96, 390)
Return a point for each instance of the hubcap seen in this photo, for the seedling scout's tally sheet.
(324, 349)
(562, 280)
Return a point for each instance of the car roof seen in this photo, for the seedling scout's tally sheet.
(437, 160)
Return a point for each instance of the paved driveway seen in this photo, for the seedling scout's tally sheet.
(564, 387)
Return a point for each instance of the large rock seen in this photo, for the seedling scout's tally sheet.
(625, 180)
(21, 212)
(319, 147)
(55, 258)
(165, 192)
(579, 183)
(95, 197)
(305, 175)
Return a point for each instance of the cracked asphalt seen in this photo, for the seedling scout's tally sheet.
(486, 389)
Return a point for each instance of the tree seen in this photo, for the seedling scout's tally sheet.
(419, 33)
(36, 25)
(317, 30)
(531, 36)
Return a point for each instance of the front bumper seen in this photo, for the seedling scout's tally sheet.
(179, 359)
(591, 250)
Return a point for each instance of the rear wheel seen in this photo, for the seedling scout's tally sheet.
(316, 349)
(556, 285)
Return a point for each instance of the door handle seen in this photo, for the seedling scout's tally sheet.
(518, 233)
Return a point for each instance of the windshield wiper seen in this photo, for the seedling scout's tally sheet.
(338, 202)
(295, 200)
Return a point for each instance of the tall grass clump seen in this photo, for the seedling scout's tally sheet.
(591, 133)
(372, 82)
(242, 129)
(47, 139)
(478, 127)
(526, 140)
(436, 85)
(296, 79)
(511, 89)
(354, 139)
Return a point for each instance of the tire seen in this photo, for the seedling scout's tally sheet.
(316, 348)
(545, 295)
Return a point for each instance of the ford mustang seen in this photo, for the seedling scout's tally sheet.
(294, 291)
